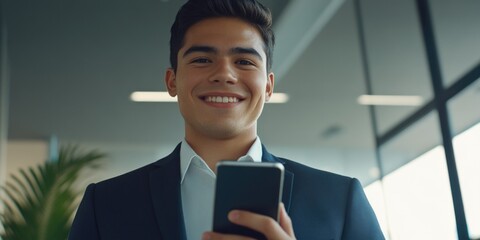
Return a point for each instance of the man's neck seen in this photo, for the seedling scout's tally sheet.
(214, 150)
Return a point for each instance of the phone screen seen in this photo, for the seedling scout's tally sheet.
(255, 187)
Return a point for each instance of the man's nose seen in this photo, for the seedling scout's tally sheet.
(224, 73)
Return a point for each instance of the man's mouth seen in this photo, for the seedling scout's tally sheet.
(221, 99)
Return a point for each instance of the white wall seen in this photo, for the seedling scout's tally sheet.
(23, 154)
(19, 154)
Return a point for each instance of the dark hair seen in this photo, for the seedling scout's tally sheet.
(195, 11)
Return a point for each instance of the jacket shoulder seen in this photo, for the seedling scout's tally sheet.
(304, 171)
(335, 205)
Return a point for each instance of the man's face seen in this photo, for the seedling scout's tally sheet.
(221, 80)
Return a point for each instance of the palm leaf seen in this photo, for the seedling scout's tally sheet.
(40, 201)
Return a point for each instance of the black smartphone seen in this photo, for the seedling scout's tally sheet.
(255, 187)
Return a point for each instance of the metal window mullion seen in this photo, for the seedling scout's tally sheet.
(440, 100)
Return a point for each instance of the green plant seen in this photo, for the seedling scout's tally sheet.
(39, 202)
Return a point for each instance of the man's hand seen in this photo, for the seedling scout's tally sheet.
(273, 230)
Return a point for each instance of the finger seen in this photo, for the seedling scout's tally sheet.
(220, 236)
(260, 223)
(285, 221)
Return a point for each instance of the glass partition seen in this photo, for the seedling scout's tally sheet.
(457, 32)
(465, 119)
(417, 190)
(396, 57)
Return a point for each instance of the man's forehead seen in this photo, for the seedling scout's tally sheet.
(224, 32)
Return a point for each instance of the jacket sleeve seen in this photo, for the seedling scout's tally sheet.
(84, 225)
(360, 220)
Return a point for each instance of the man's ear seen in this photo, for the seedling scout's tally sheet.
(171, 82)
(270, 85)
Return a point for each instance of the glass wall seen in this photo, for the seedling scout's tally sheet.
(416, 193)
(414, 201)
(465, 119)
(419, 199)
(429, 189)
(396, 57)
(467, 155)
(457, 34)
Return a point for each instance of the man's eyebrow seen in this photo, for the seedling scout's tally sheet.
(242, 50)
(204, 49)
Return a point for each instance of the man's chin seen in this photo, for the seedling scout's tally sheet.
(224, 131)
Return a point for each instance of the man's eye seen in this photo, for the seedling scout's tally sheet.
(245, 62)
(201, 60)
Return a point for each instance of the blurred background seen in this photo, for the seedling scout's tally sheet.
(384, 91)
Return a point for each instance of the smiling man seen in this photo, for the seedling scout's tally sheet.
(220, 52)
(222, 83)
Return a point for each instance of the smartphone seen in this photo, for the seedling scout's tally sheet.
(255, 187)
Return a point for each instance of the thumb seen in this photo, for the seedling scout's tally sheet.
(285, 221)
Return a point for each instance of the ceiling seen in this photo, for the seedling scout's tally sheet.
(73, 65)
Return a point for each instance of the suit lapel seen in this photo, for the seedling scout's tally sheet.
(287, 180)
(166, 196)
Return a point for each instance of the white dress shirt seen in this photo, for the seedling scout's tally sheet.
(198, 188)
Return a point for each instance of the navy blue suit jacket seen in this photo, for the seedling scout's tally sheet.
(146, 204)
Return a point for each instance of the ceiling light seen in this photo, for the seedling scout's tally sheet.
(165, 97)
(390, 100)
(152, 97)
(278, 98)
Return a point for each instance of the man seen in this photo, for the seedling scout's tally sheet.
(221, 52)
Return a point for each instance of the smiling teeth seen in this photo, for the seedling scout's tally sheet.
(219, 99)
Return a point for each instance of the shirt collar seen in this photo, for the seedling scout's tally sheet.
(254, 154)
(187, 154)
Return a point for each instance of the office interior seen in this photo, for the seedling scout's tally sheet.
(384, 91)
